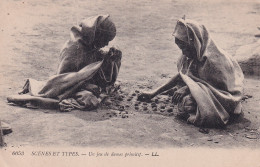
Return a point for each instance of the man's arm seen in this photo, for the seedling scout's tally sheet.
(170, 84)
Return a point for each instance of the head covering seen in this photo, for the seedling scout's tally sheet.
(200, 35)
(89, 27)
(181, 32)
(107, 28)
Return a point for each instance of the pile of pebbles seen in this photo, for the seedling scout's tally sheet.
(125, 103)
(159, 105)
(116, 102)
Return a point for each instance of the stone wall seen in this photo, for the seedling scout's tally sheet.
(248, 57)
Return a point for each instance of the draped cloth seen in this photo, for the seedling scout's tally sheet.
(82, 70)
(214, 78)
(51, 93)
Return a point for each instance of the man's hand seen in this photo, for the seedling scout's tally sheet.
(179, 94)
(114, 53)
(145, 96)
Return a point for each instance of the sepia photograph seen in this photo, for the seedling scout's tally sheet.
(130, 80)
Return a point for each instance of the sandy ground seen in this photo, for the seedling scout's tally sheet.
(32, 33)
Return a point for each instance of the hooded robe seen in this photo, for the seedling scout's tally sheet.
(214, 78)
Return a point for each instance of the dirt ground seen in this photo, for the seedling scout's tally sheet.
(33, 31)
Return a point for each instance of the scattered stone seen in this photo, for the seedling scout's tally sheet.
(251, 136)
(164, 75)
(170, 110)
(257, 35)
(134, 94)
(149, 87)
(145, 104)
(145, 108)
(246, 97)
(112, 99)
(121, 108)
(162, 107)
(136, 108)
(161, 110)
(120, 99)
(154, 109)
(137, 91)
(4, 130)
(165, 102)
(153, 104)
(203, 130)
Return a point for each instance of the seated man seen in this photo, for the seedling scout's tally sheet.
(209, 86)
(84, 70)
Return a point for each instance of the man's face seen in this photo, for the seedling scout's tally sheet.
(187, 49)
(102, 40)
